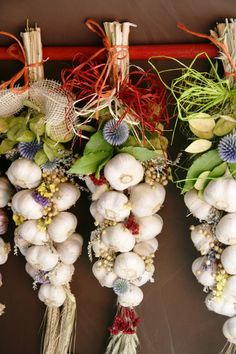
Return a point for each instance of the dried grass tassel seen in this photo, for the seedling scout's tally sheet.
(124, 339)
(51, 330)
(229, 348)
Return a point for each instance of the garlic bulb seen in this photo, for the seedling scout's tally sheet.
(202, 238)
(229, 330)
(129, 266)
(21, 243)
(61, 274)
(62, 226)
(104, 277)
(4, 250)
(119, 238)
(113, 206)
(97, 191)
(52, 296)
(24, 204)
(228, 259)
(3, 222)
(149, 227)
(95, 214)
(132, 297)
(226, 229)
(146, 200)
(123, 171)
(230, 287)
(198, 207)
(70, 249)
(30, 232)
(24, 173)
(205, 276)
(66, 197)
(146, 248)
(222, 306)
(221, 193)
(42, 257)
(5, 192)
(32, 271)
(145, 277)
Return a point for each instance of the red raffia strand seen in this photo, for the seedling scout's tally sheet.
(214, 41)
(132, 225)
(125, 321)
(98, 181)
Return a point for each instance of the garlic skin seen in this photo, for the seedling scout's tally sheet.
(21, 243)
(52, 296)
(221, 193)
(113, 206)
(24, 204)
(32, 271)
(118, 238)
(70, 250)
(132, 297)
(129, 266)
(230, 287)
(226, 229)
(29, 232)
(62, 226)
(221, 306)
(202, 238)
(198, 207)
(145, 277)
(146, 248)
(149, 227)
(206, 277)
(61, 274)
(123, 171)
(96, 191)
(5, 192)
(4, 250)
(66, 197)
(104, 277)
(228, 259)
(146, 200)
(95, 214)
(229, 330)
(97, 245)
(3, 222)
(42, 257)
(24, 173)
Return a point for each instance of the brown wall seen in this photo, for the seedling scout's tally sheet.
(174, 318)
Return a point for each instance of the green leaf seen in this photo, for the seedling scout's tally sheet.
(223, 127)
(25, 136)
(40, 157)
(37, 125)
(97, 143)
(6, 145)
(49, 152)
(30, 104)
(4, 124)
(232, 168)
(89, 163)
(206, 162)
(87, 128)
(131, 141)
(14, 131)
(102, 164)
(217, 172)
(20, 121)
(140, 153)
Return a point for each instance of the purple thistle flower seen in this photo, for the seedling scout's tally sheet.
(28, 150)
(227, 148)
(115, 133)
(43, 201)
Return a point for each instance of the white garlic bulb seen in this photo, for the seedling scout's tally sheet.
(113, 206)
(3, 222)
(123, 171)
(97, 191)
(222, 306)
(66, 197)
(228, 259)
(4, 250)
(118, 238)
(205, 276)
(62, 226)
(145, 277)
(202, 237)
(61, 274)
(24, 204)
(24, 173)
(146, 200)
(149, 226)
(221, 193)
(229, 330)
(132, 297)
(230, 287)
(104, 277)
(95, 214)
(42, 257)
(30, 232)
(226, 229)
(5, 192)
(70, 249)
(198, 207)
(32, 271)
(129, 266)
(52, 296)
(146, 248)
(22, 244)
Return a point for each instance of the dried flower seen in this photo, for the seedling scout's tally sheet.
(115, 133)
(28, 150)
(227, 148)
(120, 286)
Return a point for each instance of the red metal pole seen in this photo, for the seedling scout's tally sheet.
(137, 52)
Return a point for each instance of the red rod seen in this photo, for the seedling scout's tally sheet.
(137, 52)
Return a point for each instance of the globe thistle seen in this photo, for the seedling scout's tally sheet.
(227, 148)
(115, 133)
(49, 166)
(120, 286)
(28, 150)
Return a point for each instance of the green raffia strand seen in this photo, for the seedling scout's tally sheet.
(123, 344)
